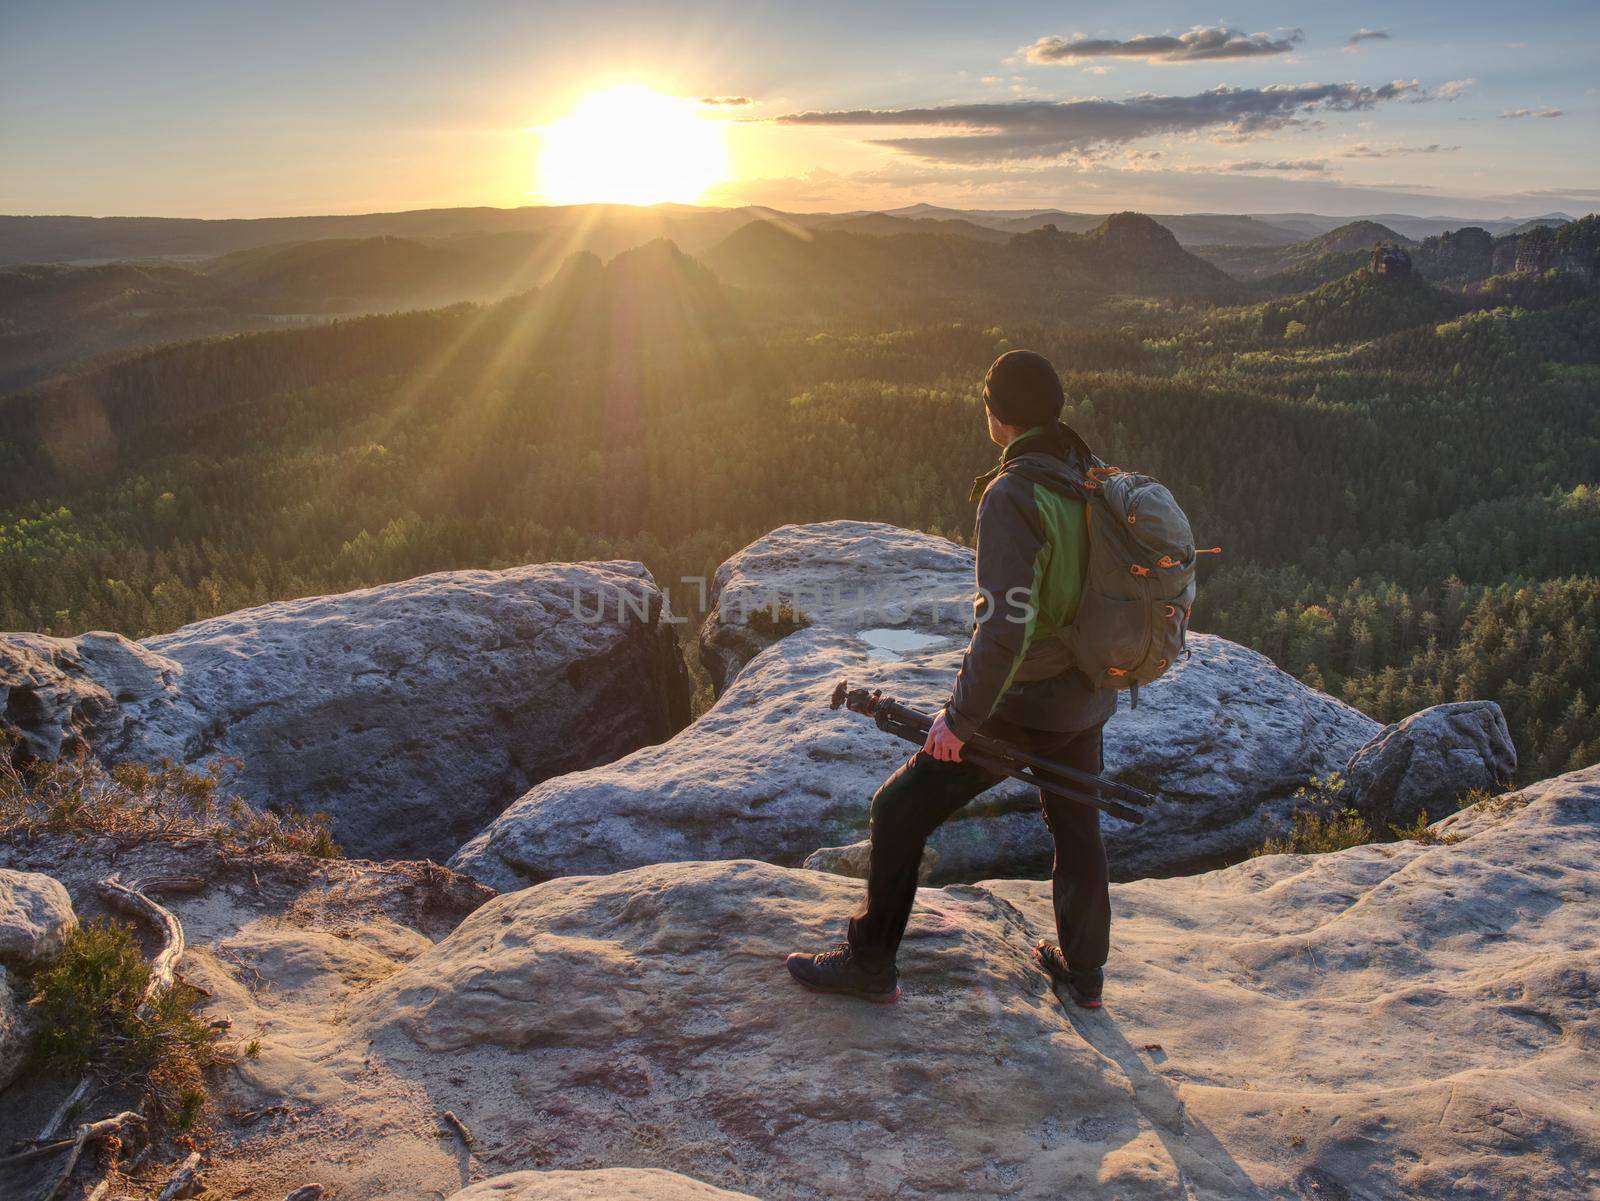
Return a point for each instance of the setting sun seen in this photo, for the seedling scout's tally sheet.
(630, 145)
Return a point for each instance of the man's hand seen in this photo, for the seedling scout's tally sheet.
(942, 743)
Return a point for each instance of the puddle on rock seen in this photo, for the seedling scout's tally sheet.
(890, 645)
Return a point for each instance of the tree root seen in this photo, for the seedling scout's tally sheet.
(185, 1182)
(87, 1133)
(131, 899)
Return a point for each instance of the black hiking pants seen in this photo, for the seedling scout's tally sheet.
(925, 792)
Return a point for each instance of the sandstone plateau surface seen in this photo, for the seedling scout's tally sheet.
(1396, 1020)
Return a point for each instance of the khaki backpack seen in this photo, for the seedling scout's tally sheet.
(1133, 620)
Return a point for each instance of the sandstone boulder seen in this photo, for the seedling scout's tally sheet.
(412, 712)
(35, 918)
(1429, 761)
(1392, 1021)
(770, 772)
(601, 1184)
(852, 575)
(855, 861)
(14, 1031)
(63, 694)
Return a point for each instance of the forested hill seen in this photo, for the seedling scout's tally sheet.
(1469, 255)
(52, 316)
(1037, 270)
(1317, 260)
(1462, 259)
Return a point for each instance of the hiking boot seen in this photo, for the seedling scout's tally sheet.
(839, 971)
(1084, 986)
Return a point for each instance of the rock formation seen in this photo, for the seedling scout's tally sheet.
(850, 575)
(771, 773)
(1399, 1020)
(1429, 761)
(36, 916)
(14, 1030)
(412, 712)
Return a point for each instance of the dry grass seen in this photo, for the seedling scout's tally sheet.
(162, 800)
(779, 623)
(1322, 821)
(1419, 832)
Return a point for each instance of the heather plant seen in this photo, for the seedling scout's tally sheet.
(78, 795)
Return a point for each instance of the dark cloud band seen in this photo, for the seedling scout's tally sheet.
(1364, 150)
(1038, 129)
(1201, 44)
(1299, 164)
(1366, 35)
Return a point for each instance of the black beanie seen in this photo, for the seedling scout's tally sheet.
(1023, 389)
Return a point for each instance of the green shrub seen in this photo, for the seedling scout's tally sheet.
(87, 997)
(1418, 831)
(1322, 822)
(86, 1005)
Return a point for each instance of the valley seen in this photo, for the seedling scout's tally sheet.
(1440, 440)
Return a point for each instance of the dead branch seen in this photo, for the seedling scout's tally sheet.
(185, 1182)
(87, 1133)
(74, 1100)
(49, 1148)
(251, 1115)
(459, 1127)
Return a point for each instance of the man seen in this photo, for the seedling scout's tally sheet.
(1016, 683)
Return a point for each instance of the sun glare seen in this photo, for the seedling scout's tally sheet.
(630, 145)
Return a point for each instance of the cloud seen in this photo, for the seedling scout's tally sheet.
(1514, 114)
(1299, 164)
(1452, 88)
(1353, 44)
(1201, 44)
(726, 101)
(1365, 150)
(1047, 129)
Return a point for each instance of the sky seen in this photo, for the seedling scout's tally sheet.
(220, 109)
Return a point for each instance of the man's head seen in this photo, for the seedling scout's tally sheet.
(1020, 391)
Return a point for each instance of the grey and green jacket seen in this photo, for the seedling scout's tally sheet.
(1033, 555)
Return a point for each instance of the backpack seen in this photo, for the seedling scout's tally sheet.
(1133, 620)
